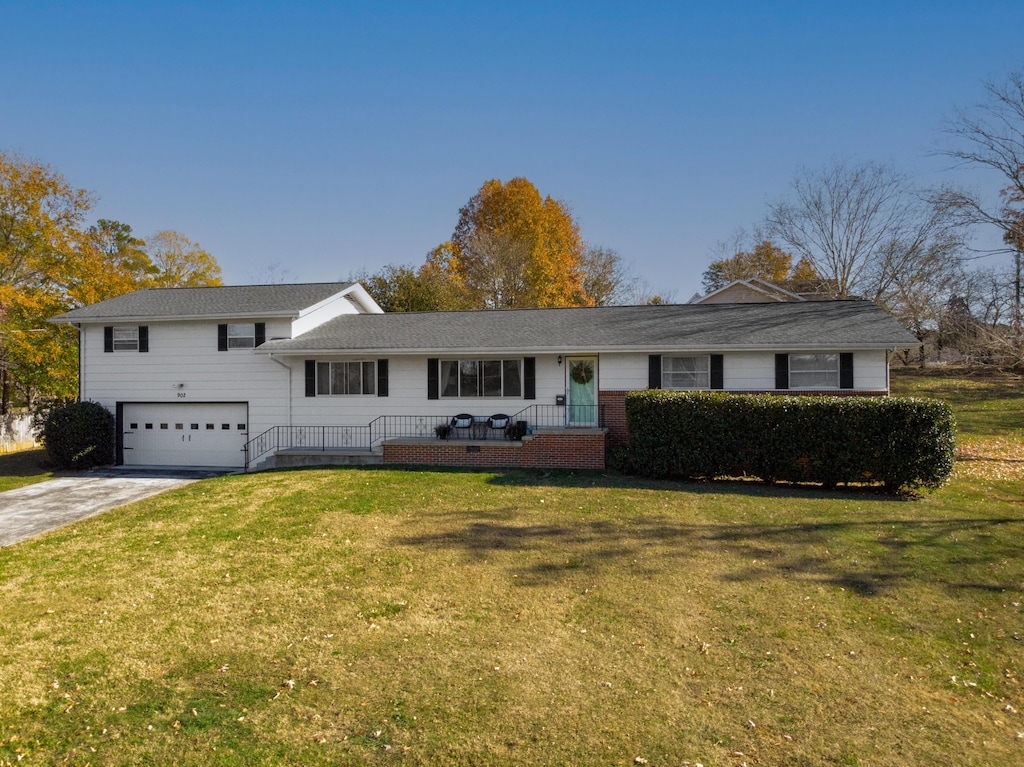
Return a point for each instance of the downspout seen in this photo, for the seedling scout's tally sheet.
(888, 383)
(287, 367)
(81, 360)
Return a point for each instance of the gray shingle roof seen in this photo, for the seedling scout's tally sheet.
(799, 325)
(224, 301)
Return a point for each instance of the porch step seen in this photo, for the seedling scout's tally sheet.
(292, 457)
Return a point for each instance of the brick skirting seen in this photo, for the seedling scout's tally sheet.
(547, 449)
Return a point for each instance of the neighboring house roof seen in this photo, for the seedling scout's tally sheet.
(754, 290)
(817, 325)
(234, 301)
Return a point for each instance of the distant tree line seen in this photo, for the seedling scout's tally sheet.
(51, 261)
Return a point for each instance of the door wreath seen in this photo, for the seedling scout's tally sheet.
(581, 372)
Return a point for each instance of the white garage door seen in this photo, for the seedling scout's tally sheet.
(185, 434)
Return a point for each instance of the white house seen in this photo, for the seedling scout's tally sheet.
(246, 375)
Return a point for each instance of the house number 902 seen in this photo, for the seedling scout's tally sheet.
(181, 395)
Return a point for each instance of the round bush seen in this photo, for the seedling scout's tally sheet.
(79, 435)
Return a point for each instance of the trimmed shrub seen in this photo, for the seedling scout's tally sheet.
(900, 443)
(79, 435)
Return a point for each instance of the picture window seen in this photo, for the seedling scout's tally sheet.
(336, 378)
(690, 372)
(481, 378)
(813, 371)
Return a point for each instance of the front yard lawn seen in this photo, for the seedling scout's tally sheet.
(432, 617)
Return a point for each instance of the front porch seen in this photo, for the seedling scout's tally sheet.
(545, 436)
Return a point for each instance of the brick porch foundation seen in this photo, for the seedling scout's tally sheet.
(549, 449)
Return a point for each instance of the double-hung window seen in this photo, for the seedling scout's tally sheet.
(126, 339)
(357, 377)
(691, 372)
(481, 378)
(813, 371)
(242, 335)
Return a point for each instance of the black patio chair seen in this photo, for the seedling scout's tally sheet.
(499, 422)
(463, 421)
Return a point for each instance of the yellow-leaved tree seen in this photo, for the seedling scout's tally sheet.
(40, 219)
(765, 261)
(50, 263)
(512, 248)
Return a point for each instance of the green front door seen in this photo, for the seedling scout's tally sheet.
(581, 388)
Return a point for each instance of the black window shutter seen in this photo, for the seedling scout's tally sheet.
(310, 378)
(222, 338)
(432, 382)
(781, 371)
(717, 371)
(143, 338)
(108, 338)
(261, 333)
(529, 378)
(654, 371)
(382, 378)
(846, 370)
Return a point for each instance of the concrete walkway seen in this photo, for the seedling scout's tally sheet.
(34, 509)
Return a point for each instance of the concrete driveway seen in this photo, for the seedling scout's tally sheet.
(34, 509)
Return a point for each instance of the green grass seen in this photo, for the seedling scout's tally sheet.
(355, 616)
(503, 618)
(985, 403)
(23, 467)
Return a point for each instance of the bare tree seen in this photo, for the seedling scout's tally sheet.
(606, 280)
(978, 318)
(859, 225)
(275, 273)
(991, 135)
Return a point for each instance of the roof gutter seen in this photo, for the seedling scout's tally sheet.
(579, 349)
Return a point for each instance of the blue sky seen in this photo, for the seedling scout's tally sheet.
(333, 137)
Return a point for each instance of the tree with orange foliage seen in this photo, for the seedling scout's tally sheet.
(765, 261)
(49, 263)
(512, 248)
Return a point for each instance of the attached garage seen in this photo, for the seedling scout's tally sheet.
(183, 434)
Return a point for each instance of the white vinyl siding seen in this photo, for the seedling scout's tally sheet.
(185, 356)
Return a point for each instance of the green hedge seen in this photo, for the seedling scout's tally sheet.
(79, 435)
(901, 443)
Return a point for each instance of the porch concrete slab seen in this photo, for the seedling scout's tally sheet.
(34, 509)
